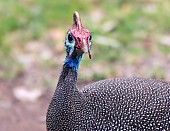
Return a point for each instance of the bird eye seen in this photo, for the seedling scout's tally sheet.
(70, 38)
(90, 37)
(69, 41)
(90, 40)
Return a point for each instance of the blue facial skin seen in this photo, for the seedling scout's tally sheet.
(75, 58)
(73, 62)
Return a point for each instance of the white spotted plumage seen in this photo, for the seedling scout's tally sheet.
(119, 104)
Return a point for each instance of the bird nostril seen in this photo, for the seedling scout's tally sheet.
(79, 40)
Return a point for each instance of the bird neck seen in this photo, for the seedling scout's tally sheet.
(70, 69)
(72, 62)
(68, 76)
(67, 97)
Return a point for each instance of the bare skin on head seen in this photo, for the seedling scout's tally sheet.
(81, 34)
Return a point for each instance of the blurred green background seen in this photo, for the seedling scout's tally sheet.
(130, 38)
(127, 35)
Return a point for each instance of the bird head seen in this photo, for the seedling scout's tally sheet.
(78, 38)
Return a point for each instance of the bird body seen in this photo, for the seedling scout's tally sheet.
(119, 104)
(129, 104)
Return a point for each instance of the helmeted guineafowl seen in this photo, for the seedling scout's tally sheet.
(119, 104)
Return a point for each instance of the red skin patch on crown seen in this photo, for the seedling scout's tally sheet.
(79, 35)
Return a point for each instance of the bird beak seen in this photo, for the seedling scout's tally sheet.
(86, 48)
